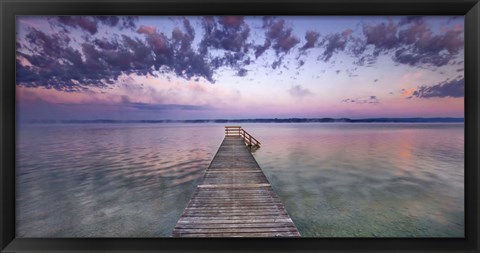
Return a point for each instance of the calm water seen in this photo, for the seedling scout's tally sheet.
(336, 180)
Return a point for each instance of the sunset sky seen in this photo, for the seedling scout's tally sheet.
(148, 68)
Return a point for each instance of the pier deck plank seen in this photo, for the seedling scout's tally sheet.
(234, 199)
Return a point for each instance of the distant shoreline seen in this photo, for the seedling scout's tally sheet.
(265, 120)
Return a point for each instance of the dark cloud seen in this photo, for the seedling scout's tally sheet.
(162, 48)
(357, 49)
(53, 60)
(335, 42)
(233, 22)
(128, 22)
(54, 63)
(86, 23)
(409, 19)
(176, 54)
(109, 20)
(277, 37)
(105, 44)
(362, 100)
(382, 36)
(227, 32)
(260, 49)
(231, 59)
(90, 23)
(186, 38)
(242, 72)
(454, 88)
(186, 61)
(299, 92)
(411, 42)
(300, 63)
(122, 22)
(40, 41)
(227, 35)
(311, 38)
(276, 63)
(421, 46)
(417, 28)
(407, 56)
(281, 36)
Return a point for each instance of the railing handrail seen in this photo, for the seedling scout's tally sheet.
(235, 130)
(245, 132)
(239, 131)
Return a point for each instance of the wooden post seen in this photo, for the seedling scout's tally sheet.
(239, 131)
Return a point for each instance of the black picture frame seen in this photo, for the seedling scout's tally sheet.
(10, 8)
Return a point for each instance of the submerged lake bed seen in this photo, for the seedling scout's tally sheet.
(335, 179)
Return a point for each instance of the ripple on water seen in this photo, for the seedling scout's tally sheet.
(336, 180)
(91, 181)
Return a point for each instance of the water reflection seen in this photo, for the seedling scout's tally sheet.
(344, 180)
(108, 180)
(336, 180)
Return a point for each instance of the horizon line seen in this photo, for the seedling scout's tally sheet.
(262, 120)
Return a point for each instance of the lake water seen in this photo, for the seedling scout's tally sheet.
(336, 180)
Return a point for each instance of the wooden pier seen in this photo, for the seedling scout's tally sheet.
(235, 198)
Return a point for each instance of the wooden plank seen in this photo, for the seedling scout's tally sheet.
(233, 225)
(202, 220)
(234, 212)
(234, 199)
(234, 171)
(233, 185)
(230, 204)
(229, 209)
(238, 216)
(222, 235)
(237, 230)
(232, 193)
(253, 197)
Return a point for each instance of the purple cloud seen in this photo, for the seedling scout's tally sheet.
(281, 36)
(382, 36)
(55, 63)
(409, 41)
(311, 38)
(278, 37)
(335, 42)
(362, 100)
(227, 33)
(454, 88)
(61, 61)
(90, 23)
(299, 92)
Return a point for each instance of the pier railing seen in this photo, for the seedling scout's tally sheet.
(239, 131)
